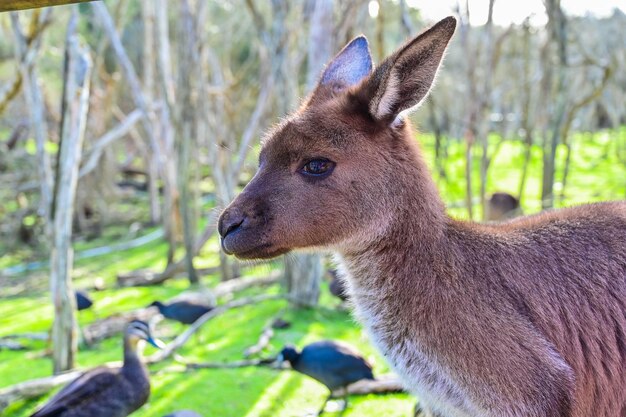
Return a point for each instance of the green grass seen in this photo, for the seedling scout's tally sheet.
(596, 173)
(235, 392)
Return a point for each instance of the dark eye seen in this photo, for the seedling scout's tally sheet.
(318, 167)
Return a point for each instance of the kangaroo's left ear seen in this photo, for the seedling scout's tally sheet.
(350, 66)
(403, 80)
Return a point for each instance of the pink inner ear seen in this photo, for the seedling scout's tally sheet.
(350, 66)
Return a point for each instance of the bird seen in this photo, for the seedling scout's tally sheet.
(334, 364)
(108, 392)
(83, 301)
(182, 311)
(337, 286)
(281, 324)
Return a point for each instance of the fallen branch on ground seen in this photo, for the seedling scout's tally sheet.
(243, 283)
(34, 388)
(183, 366)
(264, 340)
(227, 365)
(31, 336)
(146, 277)
(115, 324)
(265, 337)
(38, 387)
(11, 345)
(383, 384)
(227, 288)
(10, 341)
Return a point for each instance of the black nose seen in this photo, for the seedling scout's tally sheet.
(230, 221)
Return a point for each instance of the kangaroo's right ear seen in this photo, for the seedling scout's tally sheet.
(350, 66)
(403, 80)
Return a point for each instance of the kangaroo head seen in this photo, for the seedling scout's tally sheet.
(328, 175)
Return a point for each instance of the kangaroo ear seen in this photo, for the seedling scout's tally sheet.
(350, 66)
(403, 80)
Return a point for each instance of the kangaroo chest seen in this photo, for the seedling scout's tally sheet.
(420, 369)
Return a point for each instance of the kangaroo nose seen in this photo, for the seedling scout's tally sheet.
(230, 221)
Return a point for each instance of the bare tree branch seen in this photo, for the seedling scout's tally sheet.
(27, 48)
(265, 337)
(95, 152)
(261, 104)
(34, 388)
(76, 91)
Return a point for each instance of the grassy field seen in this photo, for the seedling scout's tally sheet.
(596, 174)
(597, 171)
(236, 392)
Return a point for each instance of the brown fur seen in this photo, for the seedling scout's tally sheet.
(527, 318)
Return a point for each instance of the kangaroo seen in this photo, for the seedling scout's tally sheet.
(524, 318)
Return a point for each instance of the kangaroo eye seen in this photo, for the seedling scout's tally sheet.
(318, 167)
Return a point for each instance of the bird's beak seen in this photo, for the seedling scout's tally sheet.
(279, 359)
(155, 342)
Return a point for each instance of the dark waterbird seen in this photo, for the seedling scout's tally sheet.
(83, 301)
(108, 392)
(334, 364)
(182, 311)
(281, 324)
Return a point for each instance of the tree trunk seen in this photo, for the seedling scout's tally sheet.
(550, 143)
(556, 26)
(27, 47)
(303, 274)
(148, 15)
(485, 105)
(224, 177)
(469, 197)
(75, 104)
(526, 109)
(380, 31)
(185, 131)
(160, 148)
(171, 194)
(527, 150)
(471, 112)
(569, 119)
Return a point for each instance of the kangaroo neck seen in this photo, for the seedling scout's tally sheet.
(415, 230)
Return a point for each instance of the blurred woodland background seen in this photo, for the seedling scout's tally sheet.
(126, 126)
